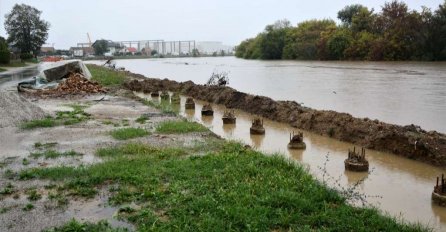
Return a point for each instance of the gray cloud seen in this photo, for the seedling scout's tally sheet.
(229, 21)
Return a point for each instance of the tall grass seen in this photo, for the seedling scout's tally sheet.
(105, 76)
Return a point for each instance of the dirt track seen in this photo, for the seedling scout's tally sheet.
(408, 141)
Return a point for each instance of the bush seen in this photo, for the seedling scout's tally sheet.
(4, 57)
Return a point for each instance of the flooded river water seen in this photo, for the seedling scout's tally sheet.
(396, 92)
(401, 187)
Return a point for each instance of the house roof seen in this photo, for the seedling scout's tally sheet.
(130, 49)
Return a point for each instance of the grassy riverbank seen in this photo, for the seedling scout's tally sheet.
(231, 188)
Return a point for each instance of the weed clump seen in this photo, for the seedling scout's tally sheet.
(128, 133)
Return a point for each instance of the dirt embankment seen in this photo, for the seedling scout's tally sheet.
(408, 141)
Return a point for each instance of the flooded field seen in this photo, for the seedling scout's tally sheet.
(396, 92)
(397, 185)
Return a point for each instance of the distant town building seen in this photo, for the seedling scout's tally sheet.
(47, 51)
(81, 51)
(211, 47)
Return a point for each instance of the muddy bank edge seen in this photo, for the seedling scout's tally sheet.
(408, 141)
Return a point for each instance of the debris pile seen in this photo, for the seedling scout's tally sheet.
(75, 84)
(356, 162)
(297, 141)
(218, 79)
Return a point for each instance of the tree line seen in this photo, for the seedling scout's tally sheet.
(395, 33)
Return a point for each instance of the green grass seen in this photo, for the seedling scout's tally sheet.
(75, 226)
(128, 133)
(230, 189)
(62, 118)
(105, 76)
(39, 123)
(178, 127)
(2, 69)
(51, 154)
(164, 106)
(28, 207)
(142, 119)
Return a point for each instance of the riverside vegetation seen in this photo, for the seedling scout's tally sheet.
(210, 185)
(395, 33)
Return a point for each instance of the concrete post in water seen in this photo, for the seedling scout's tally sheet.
(257, 127)
(155, 94)
(190, 104)
(229, 117)
(356, 162)
(439, 194)
(207, 110)
(297, 141)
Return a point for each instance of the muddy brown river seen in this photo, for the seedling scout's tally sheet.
(395, 92)
(396, 185)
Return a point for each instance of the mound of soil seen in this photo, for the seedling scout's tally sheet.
(409, 141)
(16, 109)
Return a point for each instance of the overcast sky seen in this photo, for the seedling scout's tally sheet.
(229, 21)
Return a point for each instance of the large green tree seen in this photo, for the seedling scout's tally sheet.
(100, 47)
(26, 30)
(273, 40)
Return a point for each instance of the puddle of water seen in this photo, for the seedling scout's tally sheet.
(96, 210)
(404, 186)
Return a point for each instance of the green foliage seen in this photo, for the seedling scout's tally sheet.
(347, 14)
(230, 189)
(51, 154)
(75, 226)
(4, 52)
(100, 47)
(395, 33)
(26, 30)
(178, 127)
(128, 133)
(106, 77)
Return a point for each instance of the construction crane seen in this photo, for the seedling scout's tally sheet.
(89, 39)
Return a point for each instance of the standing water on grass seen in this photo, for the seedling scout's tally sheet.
(396, 92)
(397, 185)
